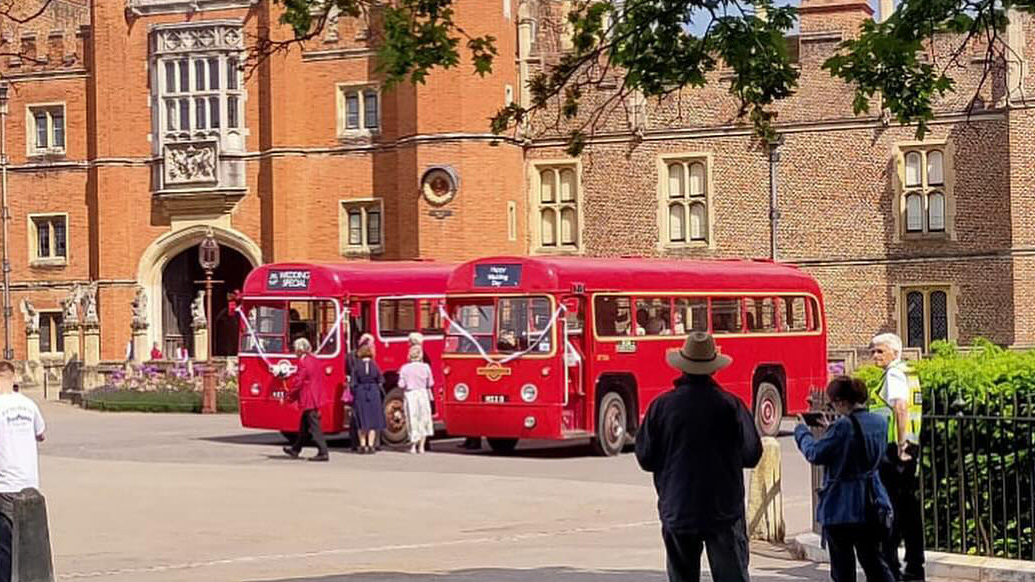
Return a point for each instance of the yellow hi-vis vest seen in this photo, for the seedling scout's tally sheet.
(880, 405)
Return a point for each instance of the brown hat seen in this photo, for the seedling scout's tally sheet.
(698, 356)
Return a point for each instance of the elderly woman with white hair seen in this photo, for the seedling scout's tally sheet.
(308, 391)
(416, 379)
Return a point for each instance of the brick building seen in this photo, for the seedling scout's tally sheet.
(136, 126)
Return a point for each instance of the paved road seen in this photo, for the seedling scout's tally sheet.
(161, 498)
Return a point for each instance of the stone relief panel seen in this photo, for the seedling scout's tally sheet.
(191, 163)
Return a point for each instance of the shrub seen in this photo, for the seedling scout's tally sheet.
(122, 400)
(977, 443)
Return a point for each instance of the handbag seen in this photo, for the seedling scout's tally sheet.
(878, 517)
(346, 395)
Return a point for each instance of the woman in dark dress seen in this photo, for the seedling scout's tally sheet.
(367, 405)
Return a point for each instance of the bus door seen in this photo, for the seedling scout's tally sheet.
(360, 320)
(574, 351)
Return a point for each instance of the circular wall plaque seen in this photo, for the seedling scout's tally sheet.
(439, 185)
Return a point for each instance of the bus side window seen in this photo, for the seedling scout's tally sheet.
(397, 317)
(794, 314)
(726, 316)
(761, 316)
(654, 316)
(813, 317)
(575, 314)
(605, 315)
(691, 314)
(431, 318)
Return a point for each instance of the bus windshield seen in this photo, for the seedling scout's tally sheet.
(277, 324)
(503, 325)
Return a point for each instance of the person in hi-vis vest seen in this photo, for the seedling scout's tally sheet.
(899, 400)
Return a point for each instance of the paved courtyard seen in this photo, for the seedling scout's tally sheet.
(161, 498)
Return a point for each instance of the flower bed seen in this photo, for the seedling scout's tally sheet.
(149, 388)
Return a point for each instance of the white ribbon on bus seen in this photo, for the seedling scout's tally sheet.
(467, 335)
(280, 369)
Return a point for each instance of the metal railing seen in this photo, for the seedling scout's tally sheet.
(977, 476)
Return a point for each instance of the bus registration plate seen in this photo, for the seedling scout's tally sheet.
(494, 398)
(278, 394)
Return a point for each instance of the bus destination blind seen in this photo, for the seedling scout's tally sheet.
(497, 275)
(294, 280)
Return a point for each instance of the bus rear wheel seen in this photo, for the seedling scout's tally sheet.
(502, 446)
(612, 423)
(768, 409)
(395, 433)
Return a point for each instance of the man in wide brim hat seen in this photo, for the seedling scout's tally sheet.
(699, 356)
(697, 439)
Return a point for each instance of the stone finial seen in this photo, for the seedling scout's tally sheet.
(139, 306)
(32, 317)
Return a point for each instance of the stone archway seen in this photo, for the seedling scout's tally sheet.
(158, 255)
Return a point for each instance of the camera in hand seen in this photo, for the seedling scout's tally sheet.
(815, 418)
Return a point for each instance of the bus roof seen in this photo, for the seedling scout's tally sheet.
(353, 278)
(560, 274)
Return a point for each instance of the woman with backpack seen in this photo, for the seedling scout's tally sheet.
(853, 508)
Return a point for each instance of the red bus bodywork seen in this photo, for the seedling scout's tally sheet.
(367, 294)
(768, 317)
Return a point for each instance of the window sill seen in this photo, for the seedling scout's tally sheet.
(49, 263)
(572, 251)
(358, 134)
(361, 252)
(50, 154)
(926, 236)
(675, 246)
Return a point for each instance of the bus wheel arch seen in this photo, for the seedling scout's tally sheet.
(616, 413)
(769, 398)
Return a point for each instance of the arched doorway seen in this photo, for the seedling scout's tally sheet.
(182, 281)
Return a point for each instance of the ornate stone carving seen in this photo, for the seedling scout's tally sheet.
(89, 304)
(139, 307)
(197, 312)
(70, 306)
(32, 317)
(330, 27)
(191, 163)
(148, 7)
(198, 37)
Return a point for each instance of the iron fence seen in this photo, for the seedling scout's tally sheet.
(977, 475)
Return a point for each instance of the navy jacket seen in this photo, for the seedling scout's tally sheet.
(697, 440)
(842, 499)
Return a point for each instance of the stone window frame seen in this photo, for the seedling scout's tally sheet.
(31, 149)
(536, 169)
(687, 159)
(362, 90)
(56, 335)
(925, 190)
(228, 67)
(901, 317)
(35, 260)
(364, 205)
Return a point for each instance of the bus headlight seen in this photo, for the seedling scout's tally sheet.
(328, 370)
(529, 392)
(256, 389)
(461, 392)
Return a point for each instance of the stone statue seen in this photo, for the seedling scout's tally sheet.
(139, 307)
(70, 306)
(89, 303)
(32, 317)
(331, 24)
(197, 312)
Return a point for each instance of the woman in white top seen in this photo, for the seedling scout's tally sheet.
(415, 378)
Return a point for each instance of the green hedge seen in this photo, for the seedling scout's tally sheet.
(977, 442)
(156, 401)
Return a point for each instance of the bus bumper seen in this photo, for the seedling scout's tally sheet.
(504, 421)
(273, 415)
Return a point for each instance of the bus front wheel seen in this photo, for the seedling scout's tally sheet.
(502, 446)
(768, 409)
(612, 423)
(395, 433)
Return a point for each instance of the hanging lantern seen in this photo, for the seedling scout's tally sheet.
(208, 252)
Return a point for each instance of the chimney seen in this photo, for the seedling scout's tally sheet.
(844, 16)
(886, 8)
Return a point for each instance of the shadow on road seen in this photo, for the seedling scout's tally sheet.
(809, 572)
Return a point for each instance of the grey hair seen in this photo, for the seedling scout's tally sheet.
(890, 340)
(303, 345)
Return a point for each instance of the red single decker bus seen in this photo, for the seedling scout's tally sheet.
(568, 347)
(333, 305)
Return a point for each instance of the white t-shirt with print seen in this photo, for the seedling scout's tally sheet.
(20, 424)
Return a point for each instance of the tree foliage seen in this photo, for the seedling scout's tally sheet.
(658, 47)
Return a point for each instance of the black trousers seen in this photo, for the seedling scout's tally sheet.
(900, 480)
(727, 549)
(6, 542)
(310, 425)
(848, 542)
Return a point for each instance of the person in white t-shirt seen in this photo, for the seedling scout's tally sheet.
(21, 428)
